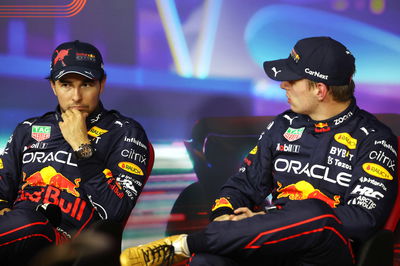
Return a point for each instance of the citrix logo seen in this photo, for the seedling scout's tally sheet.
(131, 154)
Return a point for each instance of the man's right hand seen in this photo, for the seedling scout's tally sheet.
(73, 128)
(3, 211)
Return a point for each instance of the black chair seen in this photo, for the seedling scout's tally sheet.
(217, 147)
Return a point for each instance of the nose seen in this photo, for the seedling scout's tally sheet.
(285, 85)
(77, 95)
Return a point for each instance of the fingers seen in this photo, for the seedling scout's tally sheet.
(3, 211)
(224, 217)
(73, 114)
(242, 210)
(238, 214)
(73, 127)
(236, 217)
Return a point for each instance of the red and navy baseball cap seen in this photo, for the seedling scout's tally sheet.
(76, 57)
(320, 59)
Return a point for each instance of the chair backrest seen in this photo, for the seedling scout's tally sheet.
(394, 217)
(219, 144)
(393, 121)
(150, 162)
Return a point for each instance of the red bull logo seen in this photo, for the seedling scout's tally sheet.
(221, 202)
(321, 127)
(295, 55)
(107, 173)
(60, 56)
(304, 190)
(112, 183)
(52, 195)
(48, 176)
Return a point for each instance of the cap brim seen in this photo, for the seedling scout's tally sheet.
(280, 71)
(86, 72)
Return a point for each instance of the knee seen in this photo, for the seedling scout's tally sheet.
(321, 213)
(200, 259)
(316, 209)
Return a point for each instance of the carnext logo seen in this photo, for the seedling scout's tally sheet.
(316, 74)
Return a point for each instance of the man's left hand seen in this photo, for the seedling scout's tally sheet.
(73, 128)
(3, 211)
(243, 213)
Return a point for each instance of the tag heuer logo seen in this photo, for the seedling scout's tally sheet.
(293, 134)
(40, 133)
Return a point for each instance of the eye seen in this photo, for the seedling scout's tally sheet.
(87, 84)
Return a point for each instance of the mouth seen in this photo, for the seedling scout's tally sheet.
(79, 108)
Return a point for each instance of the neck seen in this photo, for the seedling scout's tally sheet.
(328, 110)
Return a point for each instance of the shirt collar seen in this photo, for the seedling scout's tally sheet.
(336, 121)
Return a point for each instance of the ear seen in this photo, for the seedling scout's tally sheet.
(102, 84)
(321, 91)
(53, 87)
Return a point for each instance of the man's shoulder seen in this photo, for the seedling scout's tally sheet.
(116, 119)
(29, 122)
(370, 123)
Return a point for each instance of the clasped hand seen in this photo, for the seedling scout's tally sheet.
(73, 127)
(239, 214)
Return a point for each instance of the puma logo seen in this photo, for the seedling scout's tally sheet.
(289, 118)
(27, 123)
(275, 71)
(366, 131)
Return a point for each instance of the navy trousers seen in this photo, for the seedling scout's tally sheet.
(23, 233)
(303, 232)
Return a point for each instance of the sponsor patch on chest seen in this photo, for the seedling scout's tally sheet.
(293, 134)
(41, 133)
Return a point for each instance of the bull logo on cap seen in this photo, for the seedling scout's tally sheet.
(60, 56)
(295, 55)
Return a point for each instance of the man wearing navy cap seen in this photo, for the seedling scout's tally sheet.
(70, 168)
(329, 166)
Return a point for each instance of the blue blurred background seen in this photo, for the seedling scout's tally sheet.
(170, 63)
